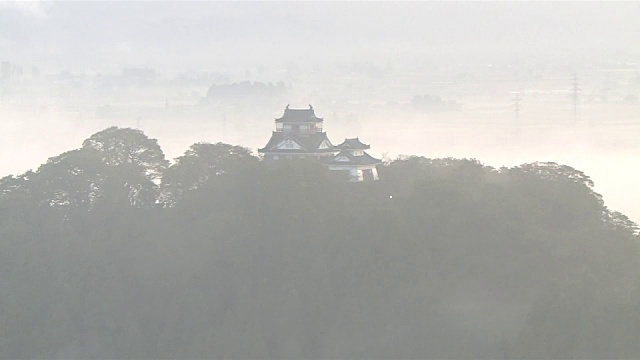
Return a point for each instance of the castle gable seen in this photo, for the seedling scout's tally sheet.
(288, 144)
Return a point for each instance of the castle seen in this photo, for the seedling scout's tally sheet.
(299, 134)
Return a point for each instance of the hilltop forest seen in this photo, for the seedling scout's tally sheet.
(110, 251)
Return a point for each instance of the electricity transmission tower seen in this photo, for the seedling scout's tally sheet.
(516, 104)
(575, 89)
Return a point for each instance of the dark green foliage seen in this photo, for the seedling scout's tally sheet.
(202, 165)
(441, 258)
(118, 146)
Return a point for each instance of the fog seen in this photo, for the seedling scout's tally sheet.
(506, 83)
(359, 64)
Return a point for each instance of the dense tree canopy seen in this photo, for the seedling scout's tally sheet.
(108, 252)
(129, 147)
(200, 165)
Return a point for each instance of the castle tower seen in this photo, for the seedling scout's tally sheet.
(298, 134)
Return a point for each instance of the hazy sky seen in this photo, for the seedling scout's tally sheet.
(103, 36)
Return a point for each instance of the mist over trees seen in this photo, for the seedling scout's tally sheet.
(121, 248)
(112, 251)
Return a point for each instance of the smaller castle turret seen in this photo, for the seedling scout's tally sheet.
(353, 158)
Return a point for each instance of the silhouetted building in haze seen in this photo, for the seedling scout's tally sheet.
(299, 134)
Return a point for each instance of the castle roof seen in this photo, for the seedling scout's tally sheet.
(353, 144)
(345, 158)
(308, 143)
(299, 116)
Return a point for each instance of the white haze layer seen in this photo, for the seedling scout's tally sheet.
(360, 64)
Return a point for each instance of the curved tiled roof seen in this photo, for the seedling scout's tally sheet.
(309, 143)
(364, 159)
(299, 116)
(353, 144)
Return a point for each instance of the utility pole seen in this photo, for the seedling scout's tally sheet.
(575, 89)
